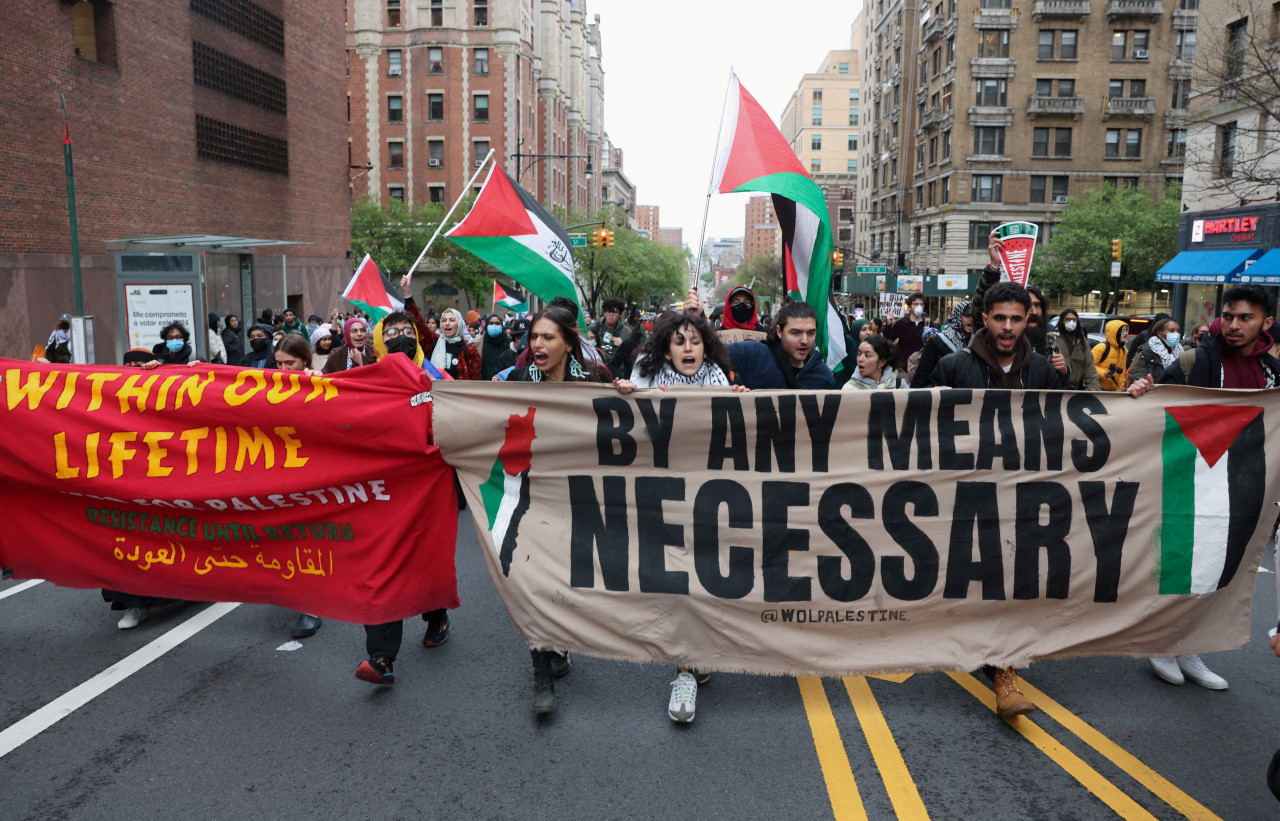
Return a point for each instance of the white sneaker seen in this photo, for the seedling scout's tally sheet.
(1168, 669)
(684, 697)
(133, 617)
(1194, 669)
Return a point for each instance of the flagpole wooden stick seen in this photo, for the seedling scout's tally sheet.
(715, 158)
(456, 202)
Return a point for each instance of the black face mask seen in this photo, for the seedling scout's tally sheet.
(259, 344)
(742, 312)
(406, 345)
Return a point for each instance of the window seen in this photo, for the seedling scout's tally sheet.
(1133, 143)
(435, 107)
(987, 188)
(1131, 45)
(1066, 88)
(842, 68)
(991, 91)
(1226, 150)
(1038, 189)
(1236, 33)
(395, 154)
(396, 192)
(994, 4)
(1128, 182)
(436, 193)
(979, 232)
(946, 191)
(815, 165)
(1181, 93)
(991, 43)
(393, 14)
(93, 32)
(853, 142)
(435, 153)
(1044, 88)
(395, 109)
(937, 62)
(1189, 5)
(817, 116)
(817, 95)
(1113, 143)
(482, 12)
(481, 149)
(1055, 44)
(946, 145)
(437, 13)
(1055, 187)
(853, 116)
(989, 140)
(846, 215)
(933, 150)
(815, 142)
(394, 57)
(1137, 88)
(1177, 147)
(480, 61)
(951, 49)
(1062, 142)
(481, 108)
(853, 95)
(1130, 139)
(435, 60)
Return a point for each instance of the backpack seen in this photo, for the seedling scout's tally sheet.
(913, 362)
(58, 352)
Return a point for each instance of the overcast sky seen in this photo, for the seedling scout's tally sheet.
(666, 65)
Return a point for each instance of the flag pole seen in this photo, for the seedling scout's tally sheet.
(456, 202)
(724, 104)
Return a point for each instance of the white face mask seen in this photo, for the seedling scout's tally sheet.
(918, 310)
(1070, 324)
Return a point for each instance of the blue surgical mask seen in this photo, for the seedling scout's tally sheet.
(1173, 340)
(174, 345)
(493, 330)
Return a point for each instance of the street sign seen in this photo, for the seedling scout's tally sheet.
(578, 242)
(904, 272)
(872, 269)
(1115, 270)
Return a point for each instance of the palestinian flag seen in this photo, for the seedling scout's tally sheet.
(1214, 477)
(754, 156)
(508, 229)
(505, 493)
(511, 297)
(370, 291)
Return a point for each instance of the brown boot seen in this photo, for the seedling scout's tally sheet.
(1010, 701)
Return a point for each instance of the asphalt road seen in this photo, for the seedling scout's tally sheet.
(228, 725)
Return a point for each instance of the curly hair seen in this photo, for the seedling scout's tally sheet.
(658, 343)
(566, 324)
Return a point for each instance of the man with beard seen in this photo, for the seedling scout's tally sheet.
(1037, 330)
(1000, 356)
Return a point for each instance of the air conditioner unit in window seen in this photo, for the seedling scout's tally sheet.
(393, 72)
(433, 163)
(479, 163)
(1139, 54)
(1060, 199)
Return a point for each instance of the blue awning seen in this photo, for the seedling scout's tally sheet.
(1207, 266)
(1265, 271)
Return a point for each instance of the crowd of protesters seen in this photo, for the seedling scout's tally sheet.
(999, 338)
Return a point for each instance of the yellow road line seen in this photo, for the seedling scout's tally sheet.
(1092, 780)
(846, 802)
(1140, 772)
(893, 770)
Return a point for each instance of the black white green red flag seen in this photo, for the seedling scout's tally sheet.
(754, 156)
(509, 296)
(508, 229)
(370, 291)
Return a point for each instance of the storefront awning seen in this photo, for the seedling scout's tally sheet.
(209, 241)
(1265, 271)
(1207, 266)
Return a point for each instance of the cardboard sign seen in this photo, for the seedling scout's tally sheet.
(892, 306)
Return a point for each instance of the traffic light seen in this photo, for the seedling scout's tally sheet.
(598, 237)
(607, 237)
(1116, 248)
(837, 259)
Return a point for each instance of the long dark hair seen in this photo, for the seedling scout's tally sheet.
(1078, 333)
(658, 344)
(567, 323)
(885, 349)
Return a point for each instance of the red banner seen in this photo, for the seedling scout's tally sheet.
(213, 483)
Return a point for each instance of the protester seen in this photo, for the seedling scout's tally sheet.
(175, 345)
(875, 370)
(217, 350)
(1000, 356)
(262, 354)
(493, 344)
(232, 341)
(313, 322)
(292, 325)
(683, 350)
(952, 338)
(1136, 341)
(58, 348)
(609, 329)
(787, 357)
(1162, 348)
(740, 311)
(355, 350)
(908, 331)
(1198, 336)
(1109, 356)
(321, 345)
(556, 353)
(1073, 344)
(515, 345)
(396, 334)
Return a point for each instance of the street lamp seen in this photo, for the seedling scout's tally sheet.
(538, 157)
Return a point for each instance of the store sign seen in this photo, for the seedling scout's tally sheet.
(1239, 229)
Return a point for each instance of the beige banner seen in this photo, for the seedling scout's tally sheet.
(839, 533)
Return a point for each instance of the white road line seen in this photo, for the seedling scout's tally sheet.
(18, 588)
(28, 728)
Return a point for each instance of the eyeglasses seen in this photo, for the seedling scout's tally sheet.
(392, 333)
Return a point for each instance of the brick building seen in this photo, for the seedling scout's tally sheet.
(433, 86)
(208, 117)
(761, 235)
(647, 221)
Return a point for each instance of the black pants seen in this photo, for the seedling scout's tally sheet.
(385, 639)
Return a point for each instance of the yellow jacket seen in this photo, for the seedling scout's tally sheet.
(1103, 359)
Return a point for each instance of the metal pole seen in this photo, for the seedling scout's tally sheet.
(715, 162)
(71, 206)
(284, 281)
(440, 227)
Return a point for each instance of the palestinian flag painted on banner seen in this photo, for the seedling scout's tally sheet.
(370, 291)
(508, 229)
(754, 156)
(510, 297)
(506, 492)
(1214, 479)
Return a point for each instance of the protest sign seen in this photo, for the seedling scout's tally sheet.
(839, 533)
(892, 306)
(214, 483)
(1017, 248)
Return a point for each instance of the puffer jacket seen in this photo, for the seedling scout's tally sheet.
(890, 379)
(1110, 363)
(759, 365)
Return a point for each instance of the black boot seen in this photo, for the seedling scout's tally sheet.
(544, 682)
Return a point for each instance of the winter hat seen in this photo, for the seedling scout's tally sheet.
(346, 328)
(138, 355)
